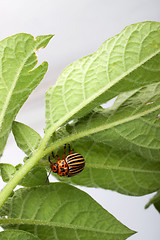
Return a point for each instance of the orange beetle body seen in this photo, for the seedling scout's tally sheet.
(70, 165)
(60, 167)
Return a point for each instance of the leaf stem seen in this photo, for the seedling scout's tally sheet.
(43, 151)
(7, 190)
(39, 154)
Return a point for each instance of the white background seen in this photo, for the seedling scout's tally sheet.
(80, 27)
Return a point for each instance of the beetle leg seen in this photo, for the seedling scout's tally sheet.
(55, 156)
(70, 150)
(64, 154)
(49, 159)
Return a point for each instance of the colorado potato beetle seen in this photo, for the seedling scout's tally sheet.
(70, 165)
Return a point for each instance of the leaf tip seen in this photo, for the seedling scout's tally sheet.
(42, 41)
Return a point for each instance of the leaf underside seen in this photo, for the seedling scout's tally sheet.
(120, 144)
(18, 76)
(26, 138)
(40, 211)
(123, 63)
(155, 200)
(17, 235)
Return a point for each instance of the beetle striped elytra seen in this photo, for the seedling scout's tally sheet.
(69, 165)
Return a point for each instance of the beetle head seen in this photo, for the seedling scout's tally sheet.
(54, 167)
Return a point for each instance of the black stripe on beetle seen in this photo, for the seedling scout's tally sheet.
(69, 165)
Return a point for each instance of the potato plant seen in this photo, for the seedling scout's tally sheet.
(120, 144)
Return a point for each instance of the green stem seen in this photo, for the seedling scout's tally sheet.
(40, 153)
(43, 151)
(7, 190)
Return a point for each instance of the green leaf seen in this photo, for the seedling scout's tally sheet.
(17, 235)
(37, 176)
(123, 63)
(7, 171)
(27, 139)
(42, 41)
(120, 144)
(60, 211)
(121, 171)
(157, 205)
(18, 76)
(154, 200)
(131, 124)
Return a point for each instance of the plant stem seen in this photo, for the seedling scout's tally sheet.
(42, 150)
(7, 190)
(40, 153)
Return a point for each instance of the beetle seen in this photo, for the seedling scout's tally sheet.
(69, 165)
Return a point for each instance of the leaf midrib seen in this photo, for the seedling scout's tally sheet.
(109, 85)
(119, 168)
(7, 221)
(117, 123)
(95, 130)
(82, 105)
